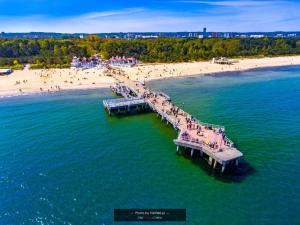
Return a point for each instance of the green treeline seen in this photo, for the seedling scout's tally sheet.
(46, 53)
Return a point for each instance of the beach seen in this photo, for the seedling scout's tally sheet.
(149, 72)
(22, 82)
(28, 81)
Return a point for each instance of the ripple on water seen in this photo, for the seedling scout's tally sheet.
(65, 161)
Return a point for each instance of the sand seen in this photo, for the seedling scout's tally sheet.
(27, 81)
(52, 80)
(161, 71)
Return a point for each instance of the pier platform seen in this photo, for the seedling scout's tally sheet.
(124, 105)
(207, 139)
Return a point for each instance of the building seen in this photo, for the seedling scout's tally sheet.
(123, 61)
(5, 71)
(257, 36)
(223, 60)
(214, 34)
(149, 36)
(85, 63)
(76, 62)
(204, 32)
(227, 35)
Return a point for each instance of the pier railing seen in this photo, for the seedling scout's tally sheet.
(229, 141)
(200, 146)
(115, 103)
(163, 114)
(214, 126)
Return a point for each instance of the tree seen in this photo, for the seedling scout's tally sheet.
(57, 52)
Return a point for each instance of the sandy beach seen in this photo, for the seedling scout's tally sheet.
(52, 80)
(23, 82)
(162, 71)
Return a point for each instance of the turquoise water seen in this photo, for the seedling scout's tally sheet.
(65, 161)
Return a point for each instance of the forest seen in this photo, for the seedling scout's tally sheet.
(58, 53)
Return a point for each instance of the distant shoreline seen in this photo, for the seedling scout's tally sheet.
(224, 72)
(172, 70)
(39, 81)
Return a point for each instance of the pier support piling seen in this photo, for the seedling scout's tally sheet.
(210, 161)
(192, 152)
(215, 164)
(237, 162)
(223, 168)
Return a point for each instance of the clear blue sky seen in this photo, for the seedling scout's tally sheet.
(150, 15)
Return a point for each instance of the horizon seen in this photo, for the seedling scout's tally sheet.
(151, 16)
(124, 32)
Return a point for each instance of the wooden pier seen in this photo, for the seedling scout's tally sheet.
(207, 139)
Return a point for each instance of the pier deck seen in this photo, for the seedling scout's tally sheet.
(208, 139)
(123, 102)
(123, 105)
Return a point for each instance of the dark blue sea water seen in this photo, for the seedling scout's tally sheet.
(63, 160)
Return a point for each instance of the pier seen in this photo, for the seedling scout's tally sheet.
(207, 140)
(124, 105)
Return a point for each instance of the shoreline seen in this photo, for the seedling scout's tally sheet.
(5, 95)
(43, 81)
(221, 73)
(173, 70)
(33, 94)
(47, 81)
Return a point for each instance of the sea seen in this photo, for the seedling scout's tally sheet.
(64, 160)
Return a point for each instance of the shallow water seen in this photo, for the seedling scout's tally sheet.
(65, 161)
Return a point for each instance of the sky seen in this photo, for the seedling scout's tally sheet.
(100, 16)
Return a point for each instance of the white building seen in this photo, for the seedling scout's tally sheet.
(123, 61)
(5, 71)
(86, 63)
